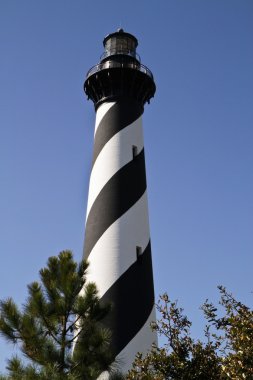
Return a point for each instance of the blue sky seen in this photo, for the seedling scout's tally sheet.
(198, 139)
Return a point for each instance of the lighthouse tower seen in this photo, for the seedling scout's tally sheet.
(117, 238)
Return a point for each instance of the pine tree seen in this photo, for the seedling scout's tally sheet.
(59, 329)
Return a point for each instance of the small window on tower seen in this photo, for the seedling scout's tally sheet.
(135, 150)
(138, 252)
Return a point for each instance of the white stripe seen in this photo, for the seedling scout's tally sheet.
(115, 251)
(101, 111)
(116, 153)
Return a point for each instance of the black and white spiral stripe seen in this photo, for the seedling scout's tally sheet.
(117, 228)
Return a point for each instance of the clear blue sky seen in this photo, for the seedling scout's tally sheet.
(198, 139)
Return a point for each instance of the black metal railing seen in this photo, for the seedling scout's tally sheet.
(113, 64)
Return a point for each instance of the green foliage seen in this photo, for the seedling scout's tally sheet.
(59, 328)
(181, 358)
(59, 331)
(226, 354)
(234, 332)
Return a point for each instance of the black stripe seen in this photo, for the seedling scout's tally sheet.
(132, 300)
(120, 193)
(119, 116)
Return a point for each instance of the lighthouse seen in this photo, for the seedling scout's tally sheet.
(117, 237)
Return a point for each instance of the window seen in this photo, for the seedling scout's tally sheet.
(135, 150)
(138, 252)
